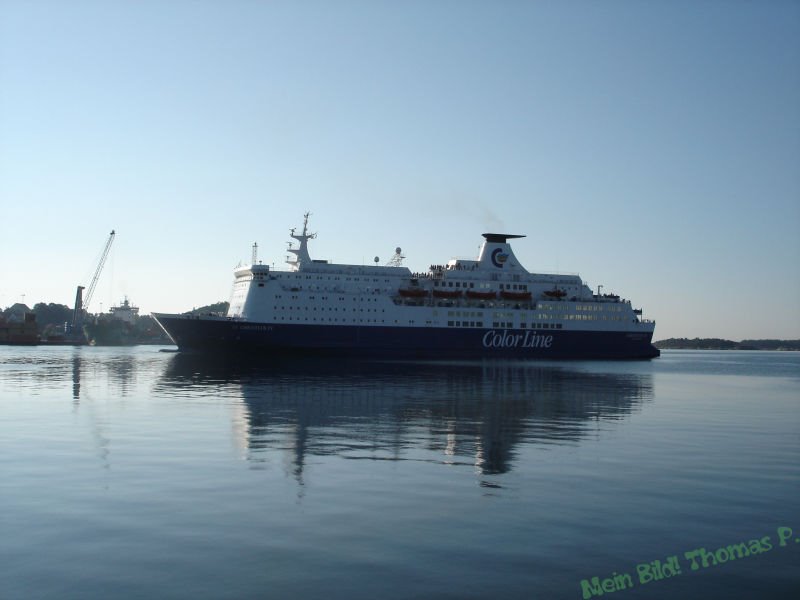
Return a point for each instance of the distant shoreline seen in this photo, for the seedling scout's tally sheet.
(721, 344)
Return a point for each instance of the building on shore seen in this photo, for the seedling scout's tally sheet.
(18, 326)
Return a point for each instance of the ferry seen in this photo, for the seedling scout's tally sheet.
(483, 308)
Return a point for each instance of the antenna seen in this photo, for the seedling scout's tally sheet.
(255, 253)
(397, 259)
(301, 253)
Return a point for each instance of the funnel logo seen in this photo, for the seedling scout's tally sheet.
(499, 258)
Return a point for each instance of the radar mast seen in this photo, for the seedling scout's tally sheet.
(397, 259)
(301, 254)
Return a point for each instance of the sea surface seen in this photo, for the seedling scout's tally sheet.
(140, 473)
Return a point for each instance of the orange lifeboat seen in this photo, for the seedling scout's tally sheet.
(446, 293)
(481, 295)
(413, 292)
(509, 295)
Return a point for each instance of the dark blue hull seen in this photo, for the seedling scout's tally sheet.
(223, 335)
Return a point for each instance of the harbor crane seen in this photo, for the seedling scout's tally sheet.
(75, 327)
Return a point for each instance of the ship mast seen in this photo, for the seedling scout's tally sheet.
(301, 253)
(397, 259)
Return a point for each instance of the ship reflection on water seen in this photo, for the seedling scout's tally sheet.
(462, 413)
(343, 479)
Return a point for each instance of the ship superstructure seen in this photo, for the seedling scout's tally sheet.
(125, 311)
(489, 306)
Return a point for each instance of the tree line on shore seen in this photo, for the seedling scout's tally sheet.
(722, 344)
(100, 329)
(51, 315)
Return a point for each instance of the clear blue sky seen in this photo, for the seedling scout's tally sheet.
(653, 147)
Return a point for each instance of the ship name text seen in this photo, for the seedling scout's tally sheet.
(504, 339)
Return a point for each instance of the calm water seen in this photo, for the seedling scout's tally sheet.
(135, 473)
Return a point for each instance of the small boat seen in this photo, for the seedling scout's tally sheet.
(509, 295)
(447, 293)
(481, 295)
(413, 292)
(555, 293)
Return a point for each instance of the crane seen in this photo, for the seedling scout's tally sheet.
(75, 328)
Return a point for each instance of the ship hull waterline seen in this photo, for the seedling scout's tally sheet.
(224, 335)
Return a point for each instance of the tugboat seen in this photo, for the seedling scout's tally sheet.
(487, 307)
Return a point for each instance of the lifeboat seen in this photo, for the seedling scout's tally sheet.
(509, 295)
(555, 293)
(446, 293)
(481, 295)
(413, 292)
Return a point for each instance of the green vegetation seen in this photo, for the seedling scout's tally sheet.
(105, 330)
(720, 344)
(218, 308)
(101, 330)
(51, 317)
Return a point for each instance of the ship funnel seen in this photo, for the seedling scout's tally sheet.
(496, 253)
